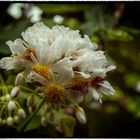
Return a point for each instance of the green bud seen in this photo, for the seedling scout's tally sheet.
(12, 106)
(80, 115)
(10, 121)
(21, 113)
(15, 92)
(19, 79)
(44, 121)
(7, 97)
(16, 119)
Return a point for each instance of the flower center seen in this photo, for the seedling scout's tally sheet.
(79, 83)
(41, 70)
(54, 93)
(27, 54)
(95, 82)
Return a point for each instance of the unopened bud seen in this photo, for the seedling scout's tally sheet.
(15, 92)
(1, 122)
(7, 97)
(44, 121)
(30, 101)
(59, 128)
(19, 79)
(10, 121)
(21, 113)
(30, 110)
(3, 98)
(51, 115)
(80, 115)
(16, 119)
(70, 111)
(11, 106)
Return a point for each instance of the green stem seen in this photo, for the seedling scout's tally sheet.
(25, 88)
(31, 116)
(1, 80)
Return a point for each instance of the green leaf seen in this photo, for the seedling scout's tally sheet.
(98, 18)
(63, 8)
(34, 123)
(118, 35)
(11, 32)
(68, 124)
(132, 79)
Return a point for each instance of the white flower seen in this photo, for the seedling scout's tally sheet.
(57, 86)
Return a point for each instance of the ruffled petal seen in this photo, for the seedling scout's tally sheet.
(9, 63)
(106, 88)
(64, 70)
(33, 76)
(95, 94)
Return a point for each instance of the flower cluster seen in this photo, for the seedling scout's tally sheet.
(11, 112)
(63, 66)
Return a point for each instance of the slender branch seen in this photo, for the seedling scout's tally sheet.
(31, 116)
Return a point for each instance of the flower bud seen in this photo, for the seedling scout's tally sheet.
(3, 98)
(1, 122)
(15, 92)
(44, 121)
(30, 110)
(59, 128)
(80, 115)
(19, 79)
(21, 113)
(10, 121)
(7, 97)
(11, 106)
(16, 119)
(51, 115)
(30, 101)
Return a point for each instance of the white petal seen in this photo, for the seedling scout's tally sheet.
(9, 63)
(106, 88)
(64, 70)
(80, 115)
(111, 67)
(33, 76)
(95, 94)
(16, 46)
(74, 96)
(85, 75)
(99, 72)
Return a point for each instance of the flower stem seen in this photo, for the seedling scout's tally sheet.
(30, 117)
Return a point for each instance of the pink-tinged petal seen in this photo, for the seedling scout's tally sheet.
(106, 88)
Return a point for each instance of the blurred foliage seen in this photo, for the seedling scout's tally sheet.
(116, 29)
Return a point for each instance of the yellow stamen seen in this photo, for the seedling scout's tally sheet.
(54, 93)
(79, 83)
(41, 70)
